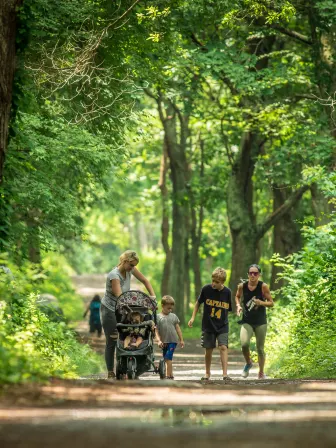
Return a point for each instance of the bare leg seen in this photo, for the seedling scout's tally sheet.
(224, 356)
(138, 341)
(208, 358)
(169, 367)
(127, 341)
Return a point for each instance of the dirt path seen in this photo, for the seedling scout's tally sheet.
(95, 412)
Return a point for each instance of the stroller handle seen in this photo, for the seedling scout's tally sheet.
(143, 325)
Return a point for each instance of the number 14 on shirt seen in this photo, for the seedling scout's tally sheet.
(217, 314)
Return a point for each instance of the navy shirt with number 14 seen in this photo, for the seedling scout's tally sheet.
(217, 305)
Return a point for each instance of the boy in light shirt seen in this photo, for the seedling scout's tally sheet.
(170, 333)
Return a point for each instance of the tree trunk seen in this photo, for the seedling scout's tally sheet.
(244, 253)
(176, 149)
(240, 188)
(8, 25)
(324, 54)
(187, 269)
(321, 208)
(34, 250)
(176, 145)
(240, 212)
(286, 235)
(245, 233)
(195, 245)
(196, 229)
(178, 249)
(165, 222)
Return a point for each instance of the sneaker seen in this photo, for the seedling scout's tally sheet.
(111, 375)
(246, 370)
(227, 379)
(261, 376)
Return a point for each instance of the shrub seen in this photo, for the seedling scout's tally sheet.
(32, 348)
(58, 283)
(302, 340)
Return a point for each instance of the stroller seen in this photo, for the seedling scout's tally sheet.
(136, 361)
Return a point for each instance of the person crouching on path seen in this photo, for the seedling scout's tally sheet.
(169, 332)
(256, 297)
(216, 300)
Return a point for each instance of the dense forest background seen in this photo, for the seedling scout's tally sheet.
(200, 134)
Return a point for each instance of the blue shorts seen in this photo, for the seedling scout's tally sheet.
(168, 350)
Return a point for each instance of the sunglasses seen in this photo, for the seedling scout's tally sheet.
(254, 273)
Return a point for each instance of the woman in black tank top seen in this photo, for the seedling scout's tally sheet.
(253, 297)
(253, 314)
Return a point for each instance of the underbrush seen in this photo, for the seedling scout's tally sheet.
(58, 283)
(302, 339)
(32, 347)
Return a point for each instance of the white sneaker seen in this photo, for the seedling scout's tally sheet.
(262, 376)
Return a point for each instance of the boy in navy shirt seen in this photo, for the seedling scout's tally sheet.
(216, 300)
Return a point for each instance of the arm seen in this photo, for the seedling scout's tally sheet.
(179, 333)
(157, 337)
(267, 294)
(87, 310)
(154, 328)
(237, 299)
(196, 308)
(137, 274)
(116, 288)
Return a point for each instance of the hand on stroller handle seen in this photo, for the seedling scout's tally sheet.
(142, 325)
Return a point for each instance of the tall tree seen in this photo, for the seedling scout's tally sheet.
(165, 283)
(176, 148)
(8, 20)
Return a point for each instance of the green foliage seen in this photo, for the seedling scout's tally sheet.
(57, 282)
(32, 348)
(73, 100)
(53, 170)
(302, 342)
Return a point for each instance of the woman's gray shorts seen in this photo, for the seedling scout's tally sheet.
(208, 340)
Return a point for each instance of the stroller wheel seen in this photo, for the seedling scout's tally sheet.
(162, 369)
(119, 374)
(131, 368)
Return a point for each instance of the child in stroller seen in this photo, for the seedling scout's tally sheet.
(135, 345)
(136, 335)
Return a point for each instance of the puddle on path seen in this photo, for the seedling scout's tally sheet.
(164, 417)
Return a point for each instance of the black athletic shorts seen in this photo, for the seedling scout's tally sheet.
(209, 339)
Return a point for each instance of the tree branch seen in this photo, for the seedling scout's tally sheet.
(125, 13)
(294, 34)
(225, 141)
(158, 99)
(198, 43)
(281, 211)
(149, 93)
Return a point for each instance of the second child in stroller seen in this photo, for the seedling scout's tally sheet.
(136, 335)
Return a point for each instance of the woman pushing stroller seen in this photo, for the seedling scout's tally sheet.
(118, 281)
